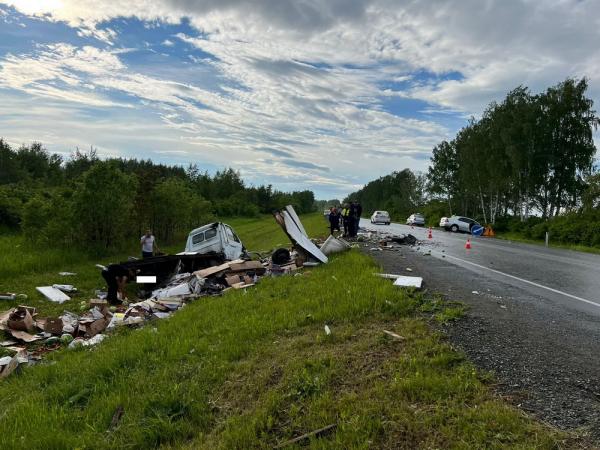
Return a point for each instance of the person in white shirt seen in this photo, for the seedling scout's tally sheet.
(148, 244)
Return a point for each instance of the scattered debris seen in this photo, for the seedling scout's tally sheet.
(68, 288)
(11, 296)
(180, 279)
(53, 294)
(403, 281)
(388, 276)
(408, 269)
(8, 365)
(67, 274)
(394, 335)
(307, 435)
(116, 417)
(288, 220)
(334, 245)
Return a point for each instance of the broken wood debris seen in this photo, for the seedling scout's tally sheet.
(307, 435)
(211, 274)
(394, 335)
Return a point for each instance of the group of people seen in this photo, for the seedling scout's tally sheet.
(348, 217)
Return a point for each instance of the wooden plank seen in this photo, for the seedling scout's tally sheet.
(394, 335)
(204, 273)
(246, 265)
(307, 435)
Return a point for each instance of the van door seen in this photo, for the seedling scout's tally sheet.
(232, 246)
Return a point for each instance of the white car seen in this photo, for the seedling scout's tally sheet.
(381, 217)
(460, 223)
(416, 219)
(443, 222)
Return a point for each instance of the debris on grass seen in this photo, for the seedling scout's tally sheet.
(394, 335)
(53, 294)
(181, 278)
(11, 296)
(415, 282)
(305, 436)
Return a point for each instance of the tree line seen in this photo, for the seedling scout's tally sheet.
(401, 193)
(100, 204)
(531, 154)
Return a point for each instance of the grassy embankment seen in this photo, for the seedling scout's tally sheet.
(253, 369)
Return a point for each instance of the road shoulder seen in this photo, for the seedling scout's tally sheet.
(544, 363)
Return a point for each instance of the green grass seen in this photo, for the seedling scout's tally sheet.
(255, 368)
(516, 237)
(250, 370)
(23, 267)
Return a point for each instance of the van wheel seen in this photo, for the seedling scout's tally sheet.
(454, 228)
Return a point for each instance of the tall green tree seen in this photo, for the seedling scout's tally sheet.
(103, 205)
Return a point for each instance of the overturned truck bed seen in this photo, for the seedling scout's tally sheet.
(167, 266)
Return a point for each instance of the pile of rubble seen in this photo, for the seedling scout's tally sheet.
(380, 240)
(31, 337)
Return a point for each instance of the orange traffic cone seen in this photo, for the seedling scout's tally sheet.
(468, 244)
(429, 236)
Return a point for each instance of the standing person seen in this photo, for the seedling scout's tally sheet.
(353, 220)
(334, 221)
(358, 215)
(346, 220)
(148, 244)
(116, 277)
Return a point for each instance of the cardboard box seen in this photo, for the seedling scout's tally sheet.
(102, 305)
(91, 329)
(53, 325)
(21, 319)
(247, 266)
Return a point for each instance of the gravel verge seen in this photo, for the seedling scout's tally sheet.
(545, 362)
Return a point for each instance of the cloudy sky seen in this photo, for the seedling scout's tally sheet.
(317, 94)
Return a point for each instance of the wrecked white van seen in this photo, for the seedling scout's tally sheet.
(216, 237)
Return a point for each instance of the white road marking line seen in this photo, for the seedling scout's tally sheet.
(556, 291)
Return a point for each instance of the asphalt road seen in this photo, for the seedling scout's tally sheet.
(567, 279)
(533, 318)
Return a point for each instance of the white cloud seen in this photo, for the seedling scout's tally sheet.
(308, 77)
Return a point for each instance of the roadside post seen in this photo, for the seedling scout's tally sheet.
(547, 236)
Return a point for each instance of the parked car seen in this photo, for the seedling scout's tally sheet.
(460, 223)
(381, 217)
(443, 222)
(416, 219)
(216, 237)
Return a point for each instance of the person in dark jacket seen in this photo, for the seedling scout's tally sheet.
(346, 220)
(334, 220)
(116, 277)
(358, 216)
(353, 220)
